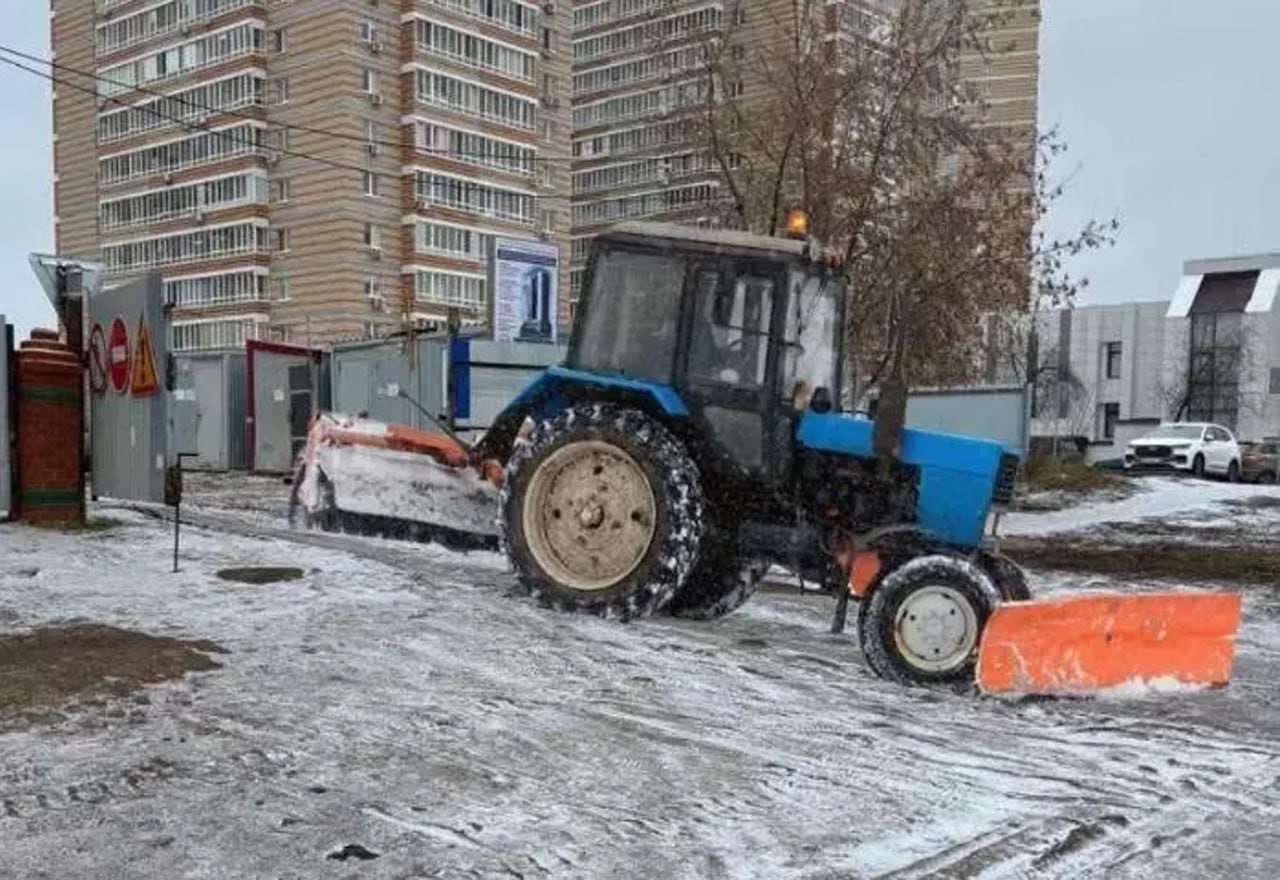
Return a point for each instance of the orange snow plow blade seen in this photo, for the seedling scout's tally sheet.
(1085, 644)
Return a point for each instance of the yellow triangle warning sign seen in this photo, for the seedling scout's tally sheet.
(143, 381)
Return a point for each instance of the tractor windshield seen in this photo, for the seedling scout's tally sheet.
(812, 342)
(631, 316)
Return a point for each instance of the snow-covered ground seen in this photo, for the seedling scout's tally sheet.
(1155, 497)
(397, 698)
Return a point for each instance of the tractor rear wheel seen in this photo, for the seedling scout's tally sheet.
(719, 584)
(602, 512)
(923, 622)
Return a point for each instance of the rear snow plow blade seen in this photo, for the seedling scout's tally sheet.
(1086, 644)
(358, 475)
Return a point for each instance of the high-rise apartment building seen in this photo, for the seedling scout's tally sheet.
(309, 170)
(636, 75)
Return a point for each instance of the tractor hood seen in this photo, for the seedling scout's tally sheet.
(960, 477)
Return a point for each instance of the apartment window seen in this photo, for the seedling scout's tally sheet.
(372, 236)
(371, 134)
(1274, 386)
(280, 190)
(205, 51)
(736, 89)
(373, 293)
(369, 81)
(179, 108)
(473, 197)
(280, 90)
(370, 183)
(211, 290)
(282, 290)
(1113, 360)
(737, 53)
(453, 241)
(451, 289)
(548, 87)
(216, 334)
(195, 246)
(183, 201)
(472, 50)
(473, 99)
(278, 41)
(548, 39)
(368, 31)
(280, 239)
(203, 148)
(1110, 415)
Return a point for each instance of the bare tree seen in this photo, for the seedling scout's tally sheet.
(877, 137)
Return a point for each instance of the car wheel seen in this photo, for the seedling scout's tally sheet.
(1233, 472)
(1267, 477)
(1197, 465)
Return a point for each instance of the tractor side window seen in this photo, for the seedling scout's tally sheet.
(809, 355)
(730, 342)
(631, 315)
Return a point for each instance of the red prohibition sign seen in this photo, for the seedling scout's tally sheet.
(118, 361)
(97, 357)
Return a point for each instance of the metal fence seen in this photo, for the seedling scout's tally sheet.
(990, 412)
(486, 375)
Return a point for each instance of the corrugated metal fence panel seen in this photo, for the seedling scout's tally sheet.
(5, 463)
(499, 371)
(999, 413)
(130, 434)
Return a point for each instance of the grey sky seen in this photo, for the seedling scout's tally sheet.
(1166, 105)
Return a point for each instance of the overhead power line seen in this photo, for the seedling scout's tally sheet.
(207, 109)
(234, 138)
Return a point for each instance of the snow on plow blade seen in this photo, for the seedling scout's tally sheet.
(1086, 644)
(359, 475)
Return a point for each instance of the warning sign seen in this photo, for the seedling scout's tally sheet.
(143, 382)
(118, 356)
(97, 357)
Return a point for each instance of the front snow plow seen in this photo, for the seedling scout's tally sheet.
(1091, 644)
(358, 475)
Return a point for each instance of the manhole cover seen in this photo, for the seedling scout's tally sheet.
(260, 574)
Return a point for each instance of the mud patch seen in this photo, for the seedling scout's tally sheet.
(260, 574)
(46, 669)
(1183, 563)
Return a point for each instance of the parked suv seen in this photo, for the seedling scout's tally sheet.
(1198, 447)
(1260, 462)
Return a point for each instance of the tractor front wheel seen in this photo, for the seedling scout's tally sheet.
(923, 622)
(602, 512)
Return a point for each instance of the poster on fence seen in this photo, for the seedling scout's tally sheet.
(522, 283)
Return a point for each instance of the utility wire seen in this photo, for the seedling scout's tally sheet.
(205, 108)
(232, 137)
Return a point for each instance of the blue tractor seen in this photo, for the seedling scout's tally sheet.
(692, 439)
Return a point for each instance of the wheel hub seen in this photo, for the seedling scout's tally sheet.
(589, 515)
(936, 628)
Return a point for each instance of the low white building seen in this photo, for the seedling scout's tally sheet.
(1211, 353)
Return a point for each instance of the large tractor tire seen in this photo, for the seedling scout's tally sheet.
(1007, 575)
(922, 624)
(719, 584)
(602, 512)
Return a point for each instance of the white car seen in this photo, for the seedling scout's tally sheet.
(1198, 447)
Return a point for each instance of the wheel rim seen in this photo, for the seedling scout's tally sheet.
(936, 628)
(589, 515)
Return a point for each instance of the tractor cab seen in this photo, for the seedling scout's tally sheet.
(745, 329)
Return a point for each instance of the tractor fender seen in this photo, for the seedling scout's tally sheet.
(887, 548)
(558, 388)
